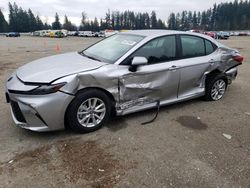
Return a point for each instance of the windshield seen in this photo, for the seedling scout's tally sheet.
(111, 49)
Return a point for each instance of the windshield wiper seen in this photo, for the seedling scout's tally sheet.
(90, 57)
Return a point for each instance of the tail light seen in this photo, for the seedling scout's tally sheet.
(238, 58)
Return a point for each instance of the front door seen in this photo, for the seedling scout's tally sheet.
(158, 80)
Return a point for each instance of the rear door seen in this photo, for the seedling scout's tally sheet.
(196, 58)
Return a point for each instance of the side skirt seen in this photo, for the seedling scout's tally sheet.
(153, 105)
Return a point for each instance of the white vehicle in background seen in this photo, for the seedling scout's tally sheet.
(73, 33)
(35, 33)
(80, 33)
(42, 33)
(65, 32)
(85, 34)
(45, 33)
(101, 34)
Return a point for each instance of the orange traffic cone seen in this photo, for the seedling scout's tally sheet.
(58, 48)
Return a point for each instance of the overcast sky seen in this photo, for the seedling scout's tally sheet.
(97, 8)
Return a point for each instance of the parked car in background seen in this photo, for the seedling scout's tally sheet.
(243, 34)
(12, 34)
(35, 34)
(125, 73)
(211, 34)
(46, 33)
(195, 31)
(222, 35)
(56, 34)
(64, 32)
(95, 34)
(101, 34)
(109, 33)
(73, 33)
(85, 34)
(59, 34)
(234, 34)
(41, 33)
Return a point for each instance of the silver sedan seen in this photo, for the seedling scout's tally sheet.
(125, 73)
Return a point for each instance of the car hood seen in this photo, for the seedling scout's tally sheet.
(47, 69)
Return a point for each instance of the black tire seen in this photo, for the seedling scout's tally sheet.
(210, 81)
(72, 111)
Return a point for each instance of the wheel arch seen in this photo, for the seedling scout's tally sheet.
(213, 73)
(100, 89)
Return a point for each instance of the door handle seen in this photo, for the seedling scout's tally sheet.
(173, 68)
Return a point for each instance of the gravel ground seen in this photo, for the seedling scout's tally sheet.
(184, 147)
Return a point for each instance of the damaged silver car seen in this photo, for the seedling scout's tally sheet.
(125, 73)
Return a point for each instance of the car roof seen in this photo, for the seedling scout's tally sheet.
(153, 33)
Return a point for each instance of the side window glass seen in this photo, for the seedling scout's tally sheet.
(158, 50)
(192, 46)
(209, 47)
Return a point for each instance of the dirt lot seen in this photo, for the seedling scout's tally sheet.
(184, 147)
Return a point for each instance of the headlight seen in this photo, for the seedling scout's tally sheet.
(46, 89)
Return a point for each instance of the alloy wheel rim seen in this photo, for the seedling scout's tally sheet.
(218, 89)
(91, 112)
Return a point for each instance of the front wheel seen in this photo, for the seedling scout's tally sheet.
(89, 111)
(216, 86)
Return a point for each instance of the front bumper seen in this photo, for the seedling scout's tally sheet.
(39, 113)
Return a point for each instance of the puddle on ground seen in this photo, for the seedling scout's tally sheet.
(191, 122)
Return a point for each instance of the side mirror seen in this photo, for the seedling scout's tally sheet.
(137, 61)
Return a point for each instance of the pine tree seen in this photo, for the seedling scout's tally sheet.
(3, 23)
(83, 22)
(39, 23)
(12, 18)
(56, 24)
(96, 25)
(172, 22)
(32, 21)
(153, 20)
(67, 24)
(195, 21)
(108, 20)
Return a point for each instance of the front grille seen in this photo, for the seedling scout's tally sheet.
(17, 112)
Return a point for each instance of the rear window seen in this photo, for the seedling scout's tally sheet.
(210, 47)
(192, 46)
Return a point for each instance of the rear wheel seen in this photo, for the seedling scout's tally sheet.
(216, 86)
(89, 111)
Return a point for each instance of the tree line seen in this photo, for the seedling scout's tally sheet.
(26, 21)
(224, 16)
(123, 20)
